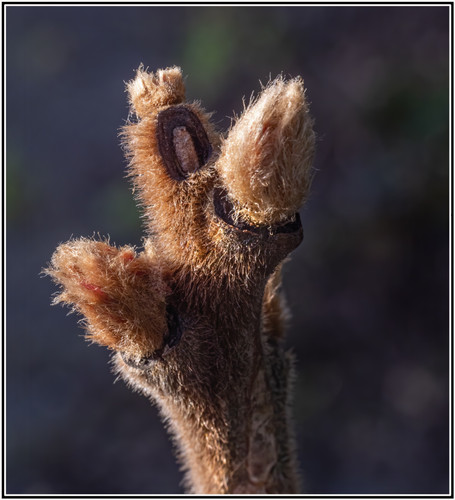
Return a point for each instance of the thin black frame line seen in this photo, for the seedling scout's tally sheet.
(233, 3)
(451, 256)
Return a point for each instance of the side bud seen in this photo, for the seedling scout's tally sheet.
(265, 162)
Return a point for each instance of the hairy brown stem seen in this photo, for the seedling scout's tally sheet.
(230, 418)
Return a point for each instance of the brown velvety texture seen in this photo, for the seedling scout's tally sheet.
(196, 318)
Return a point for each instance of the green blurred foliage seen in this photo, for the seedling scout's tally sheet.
(117, 207)
(23, 194)
(220, 46)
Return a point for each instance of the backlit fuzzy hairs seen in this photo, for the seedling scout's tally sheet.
(120, 294)
(149, 91)
(196, 318)
(266, 160)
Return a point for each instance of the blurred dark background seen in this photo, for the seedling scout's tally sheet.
(368, 288)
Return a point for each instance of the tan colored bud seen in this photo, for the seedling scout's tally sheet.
(265, 162)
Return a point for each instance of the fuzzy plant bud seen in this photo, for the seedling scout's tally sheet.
(266, 159)
(149, 91)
